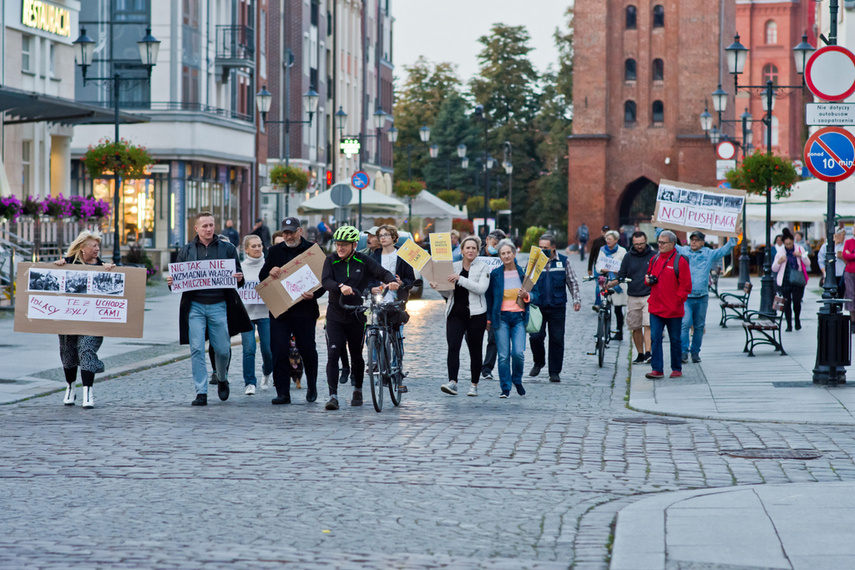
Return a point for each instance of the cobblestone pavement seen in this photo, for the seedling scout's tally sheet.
(144, 480)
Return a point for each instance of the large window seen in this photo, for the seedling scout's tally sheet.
(658, 70)
(631, 17)
(658, 112)
(771, 32)
(629, 113)
(770, 73)
(658, 16)
(629, 73)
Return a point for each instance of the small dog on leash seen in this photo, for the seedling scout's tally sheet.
(296, 370)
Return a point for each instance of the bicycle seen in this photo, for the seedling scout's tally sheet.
(385, 346)
(604, 318)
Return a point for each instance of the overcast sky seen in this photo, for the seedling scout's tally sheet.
(448, 30)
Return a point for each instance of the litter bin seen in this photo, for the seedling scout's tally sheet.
(835, 342)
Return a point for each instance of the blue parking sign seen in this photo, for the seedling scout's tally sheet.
(830, 154)
(360, 180)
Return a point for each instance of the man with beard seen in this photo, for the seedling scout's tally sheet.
(299, 320)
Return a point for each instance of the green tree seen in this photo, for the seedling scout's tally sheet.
(453, 127)
(417, 104)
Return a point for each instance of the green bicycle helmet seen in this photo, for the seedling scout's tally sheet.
(346, 233)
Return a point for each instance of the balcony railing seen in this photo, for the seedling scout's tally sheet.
(235, 46)
(177, 106)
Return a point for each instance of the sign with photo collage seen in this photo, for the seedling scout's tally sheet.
(688, 207)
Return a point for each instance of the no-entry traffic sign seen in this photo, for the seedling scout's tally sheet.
(830, 73)
(830, 154)
(726, 150)
(360, 180)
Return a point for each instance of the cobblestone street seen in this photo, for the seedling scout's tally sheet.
(144, 480)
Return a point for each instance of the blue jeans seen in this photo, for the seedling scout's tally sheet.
(510, 342)
(696, 316)
(657, 329)
(247, 340)
(213, 318)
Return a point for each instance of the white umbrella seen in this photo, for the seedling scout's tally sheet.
(427, 205)
(807, 203)
(373, 203)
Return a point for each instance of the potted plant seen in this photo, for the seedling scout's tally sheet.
(83, 208)
(10, 208)
(761, 170)
(121, 158)
(32, 207)
(57, 207)
(293, 178)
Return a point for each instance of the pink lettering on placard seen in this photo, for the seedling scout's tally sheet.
(673, 214)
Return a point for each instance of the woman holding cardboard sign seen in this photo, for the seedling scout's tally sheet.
(466, 313)
(82, 350)
(508, 304)
(612, 252)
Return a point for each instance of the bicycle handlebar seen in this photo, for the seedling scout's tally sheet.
(366, 295)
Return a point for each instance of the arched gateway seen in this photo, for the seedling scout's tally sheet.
(638, 201)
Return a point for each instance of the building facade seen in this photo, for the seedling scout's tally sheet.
(770, 29)
(200, 101)
(643, 73)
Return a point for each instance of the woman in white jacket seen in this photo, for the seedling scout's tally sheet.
(251, 265)
(466, 313)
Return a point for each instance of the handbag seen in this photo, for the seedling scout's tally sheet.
(535, 320)
(797, 276)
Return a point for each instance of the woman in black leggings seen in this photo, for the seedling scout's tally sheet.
(466, 313)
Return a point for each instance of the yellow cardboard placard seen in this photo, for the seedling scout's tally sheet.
(536, 263)
(413, 255)
(440, 246)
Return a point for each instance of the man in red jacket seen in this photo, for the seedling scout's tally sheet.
(670, 281)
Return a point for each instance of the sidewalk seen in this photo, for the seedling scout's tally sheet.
(769, 526)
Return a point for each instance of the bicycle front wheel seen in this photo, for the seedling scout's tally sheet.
(395, 347)
(376, 366)
(602, 336)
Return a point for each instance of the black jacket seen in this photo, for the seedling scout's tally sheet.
(238, 320)
(279, 255)
(358, 271)
(402, 270)
(595, 252)
(634, 266)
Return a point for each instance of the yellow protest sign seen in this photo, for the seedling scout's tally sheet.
(440, 246)
(532, 258)
(413, 255)
(537, 261)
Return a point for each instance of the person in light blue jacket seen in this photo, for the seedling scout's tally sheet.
(701, 260)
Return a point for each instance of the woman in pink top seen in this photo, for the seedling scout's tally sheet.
(791, 267)
(849, 279)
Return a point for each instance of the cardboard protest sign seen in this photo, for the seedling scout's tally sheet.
(249, 295)
(440, 246)
(204, 274)
(80, 300)
(606, 263)
(537, 261)
(490, 262)
(688, 207)
(431, 269)
(300, 275)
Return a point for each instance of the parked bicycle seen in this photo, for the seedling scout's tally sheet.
(604, 317)
(385, 346)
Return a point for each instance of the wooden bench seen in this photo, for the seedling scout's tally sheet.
(760, 329)
(734, 306)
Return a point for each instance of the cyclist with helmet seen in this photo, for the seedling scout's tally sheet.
(346, 274)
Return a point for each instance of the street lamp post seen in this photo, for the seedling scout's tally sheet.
(84, 49)
(736, 56)
(481, 114)
(264, 98)
(508, 164)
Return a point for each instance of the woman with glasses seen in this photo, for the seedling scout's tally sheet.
(387, 256)
(612, 250)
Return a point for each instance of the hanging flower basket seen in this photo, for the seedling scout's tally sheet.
(292, 177)
(761, 170)
(10, 208)
(408, 188)
(122, 158)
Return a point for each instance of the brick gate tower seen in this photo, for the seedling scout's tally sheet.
(643, 72)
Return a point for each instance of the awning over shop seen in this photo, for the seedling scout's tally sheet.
(807, 203)
(427, 205)
(29, 107)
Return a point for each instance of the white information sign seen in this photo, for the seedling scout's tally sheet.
(830, 114)
(249, 295)
(299, 282)
(205, 274)
(58, 308)
(722, 167)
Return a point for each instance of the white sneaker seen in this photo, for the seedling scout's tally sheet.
(70, 395)
(473, 390)
(265, 382)
(88, 400)
(250, 389)
(450, 388)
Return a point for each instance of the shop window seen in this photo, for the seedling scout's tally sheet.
(658, 70)
(631, 17)
(629, 72)
(659, 16)
(658, 112)
(629, 113)
(771, 32)
(770, 73)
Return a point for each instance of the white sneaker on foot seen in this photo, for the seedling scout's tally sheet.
(265, 382)
(473, 390)
(70, 395)
(450, 388)
(88, 400)
(250, 389)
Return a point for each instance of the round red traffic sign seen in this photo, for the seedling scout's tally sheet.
(726, 150)
(830, 154)
(830, 73)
